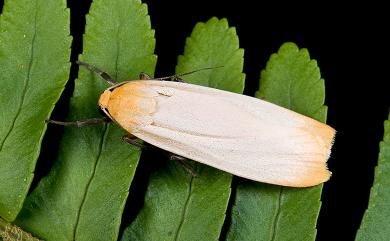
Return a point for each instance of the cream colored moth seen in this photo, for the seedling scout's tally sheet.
(242, 135)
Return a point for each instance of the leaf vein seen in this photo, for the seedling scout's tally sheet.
(277, 216)
(117, 50)
(289, 94)
(185, 210)
(101, 144)
(26, 82)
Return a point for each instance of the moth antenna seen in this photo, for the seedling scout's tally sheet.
(100, 72)
(176, 76)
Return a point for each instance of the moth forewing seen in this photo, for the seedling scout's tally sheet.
(245, 136)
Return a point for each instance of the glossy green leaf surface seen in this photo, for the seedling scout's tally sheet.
(84, 194)
(375, 223)
(268, 212)
(177, 205)
(34, 67)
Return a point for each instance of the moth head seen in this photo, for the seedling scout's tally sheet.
(104, 99)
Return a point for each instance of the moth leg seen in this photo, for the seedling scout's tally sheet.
(184, 162)
(100, 72)
(144, 76)
(132, 140)
(81, 123)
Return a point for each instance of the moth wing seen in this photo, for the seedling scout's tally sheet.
(241, 135)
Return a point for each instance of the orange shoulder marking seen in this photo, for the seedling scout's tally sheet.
(131, 104)
(104, 99)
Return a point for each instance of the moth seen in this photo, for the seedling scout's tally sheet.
(242, 135)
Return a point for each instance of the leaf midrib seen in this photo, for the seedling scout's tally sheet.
(101, 144)
(185, 209)
(280, 194)
(102, 140)
(26, 82)
(117, 50)
(277, 215)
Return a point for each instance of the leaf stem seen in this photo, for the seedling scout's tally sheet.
(10, 232)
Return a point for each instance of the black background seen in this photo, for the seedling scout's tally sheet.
(352, 51)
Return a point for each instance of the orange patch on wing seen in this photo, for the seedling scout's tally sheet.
(326, 133)
(314, 177)
(324, 136)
